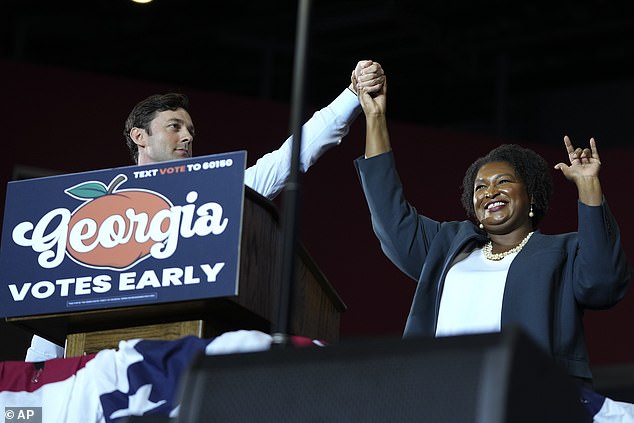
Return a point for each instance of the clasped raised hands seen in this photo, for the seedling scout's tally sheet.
(367, 76)
(370, 84)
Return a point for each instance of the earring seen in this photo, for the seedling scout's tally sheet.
(481, 226)
(530, 212)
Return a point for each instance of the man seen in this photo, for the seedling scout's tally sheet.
(160, 128)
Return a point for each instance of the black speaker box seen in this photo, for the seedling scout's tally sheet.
(615, 381)
(151, 418)
(489, 378)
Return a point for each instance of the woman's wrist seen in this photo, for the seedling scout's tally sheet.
(590, 192)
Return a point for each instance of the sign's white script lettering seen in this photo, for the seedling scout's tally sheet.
(50, 234)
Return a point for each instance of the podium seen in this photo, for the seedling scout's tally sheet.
(316, 306)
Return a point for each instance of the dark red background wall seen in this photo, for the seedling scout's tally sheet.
(67, 121)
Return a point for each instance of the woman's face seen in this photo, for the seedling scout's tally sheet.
(500, 199)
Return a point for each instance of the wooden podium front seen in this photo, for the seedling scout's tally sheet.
(316, 306)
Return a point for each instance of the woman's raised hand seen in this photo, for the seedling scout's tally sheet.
(583, 171)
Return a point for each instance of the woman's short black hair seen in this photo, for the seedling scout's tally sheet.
(529, 166)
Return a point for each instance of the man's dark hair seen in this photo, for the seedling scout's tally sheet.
(529, 166)
(145, 111)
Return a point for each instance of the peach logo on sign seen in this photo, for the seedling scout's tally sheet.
(116, 228)
(101, 230)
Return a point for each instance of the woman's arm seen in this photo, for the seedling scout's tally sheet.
(602, 274)
(374, 105)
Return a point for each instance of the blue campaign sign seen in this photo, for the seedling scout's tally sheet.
(132, 235)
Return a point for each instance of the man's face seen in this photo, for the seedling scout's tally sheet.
(169, 138)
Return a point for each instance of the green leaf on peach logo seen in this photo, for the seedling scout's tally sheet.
(95, 189)
(88, 190)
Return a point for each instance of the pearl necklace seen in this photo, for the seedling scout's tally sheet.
(487, 250)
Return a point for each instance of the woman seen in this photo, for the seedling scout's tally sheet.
(499, 270)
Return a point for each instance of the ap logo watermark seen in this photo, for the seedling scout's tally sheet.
(23, 414)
